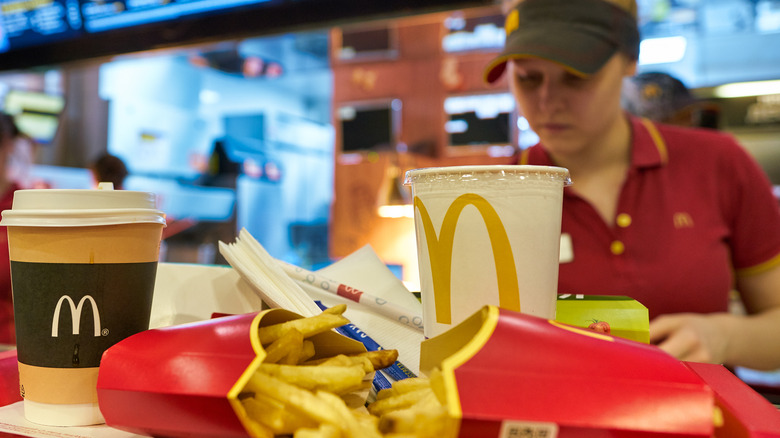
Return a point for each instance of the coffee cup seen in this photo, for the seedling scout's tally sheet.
(83, 266)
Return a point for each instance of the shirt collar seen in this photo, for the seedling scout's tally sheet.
(648, 147)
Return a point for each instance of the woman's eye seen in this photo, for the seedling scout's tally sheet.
(528, 80)
(573, 79)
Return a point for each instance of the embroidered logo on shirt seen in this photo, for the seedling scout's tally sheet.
(683, 220)
(567, 249)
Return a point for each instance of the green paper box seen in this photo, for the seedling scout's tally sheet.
(615, 315)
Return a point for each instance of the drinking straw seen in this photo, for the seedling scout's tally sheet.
(309, 280)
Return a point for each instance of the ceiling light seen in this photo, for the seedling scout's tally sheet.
(742, 89)
(662, 50)
(396, 211)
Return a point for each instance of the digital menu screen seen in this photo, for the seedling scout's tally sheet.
(479, 119)
(28, 23)
(35, 114)
(44, 32)
(32, 22)
(101, 15)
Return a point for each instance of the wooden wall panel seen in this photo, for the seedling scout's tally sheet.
(420, 40)
(423, 118)
(422, 76)
(379, 80)
(354, 216)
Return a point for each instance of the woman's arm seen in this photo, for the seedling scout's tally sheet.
(751, 340)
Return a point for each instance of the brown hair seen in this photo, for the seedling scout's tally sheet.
(110, 168)
(8, 128)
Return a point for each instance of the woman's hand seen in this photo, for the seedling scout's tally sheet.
(733, 340)
(730, 339)
(693, 337)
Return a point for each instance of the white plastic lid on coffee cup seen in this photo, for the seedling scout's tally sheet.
(486, 173)
(81, 207)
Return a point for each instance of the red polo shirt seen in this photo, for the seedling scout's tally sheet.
(7, 330)
(694, 207)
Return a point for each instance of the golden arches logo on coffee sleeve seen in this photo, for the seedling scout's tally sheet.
(68, 323)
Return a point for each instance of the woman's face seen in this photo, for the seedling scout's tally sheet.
(568, 112)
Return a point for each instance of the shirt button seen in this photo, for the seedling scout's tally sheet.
(617, 247)
(623, 220)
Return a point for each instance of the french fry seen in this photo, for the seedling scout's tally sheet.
(324, 431)
(400, 421)
(265, 411)
(336, 379)
(379, 358)
(411, 384)
(282, 347)
(364, 362)
(400, 401)
(307, 326)
(411, 408)
(348, 423)
(255, 429)
(404, 386)
(344, 361)
(369, 424)
(422, 423)
(307, 352)
(292, 395)
(338, 309)
(294, 356)
(273, 415)
(297, 399)
(337, 360)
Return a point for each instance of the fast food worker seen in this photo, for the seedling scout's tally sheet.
(676, 218)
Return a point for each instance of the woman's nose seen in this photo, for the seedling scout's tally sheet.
(549, 95)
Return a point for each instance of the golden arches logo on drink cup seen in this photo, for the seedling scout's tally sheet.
(83, 267)
(487, 235)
